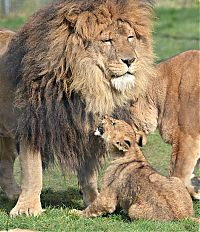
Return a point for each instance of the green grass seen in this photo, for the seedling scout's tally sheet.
(12, 23)
(176, 30)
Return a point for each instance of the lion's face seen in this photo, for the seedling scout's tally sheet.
(107, 54)
(114, 52)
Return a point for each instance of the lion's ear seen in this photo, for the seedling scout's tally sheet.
(123, 145)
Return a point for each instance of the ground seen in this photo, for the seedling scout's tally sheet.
(175, 30)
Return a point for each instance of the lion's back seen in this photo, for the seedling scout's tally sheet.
(183, 90)
(7, 115)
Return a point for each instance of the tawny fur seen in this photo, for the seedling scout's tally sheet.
(5, 37)
(7, 142)
(133, 184)
(60, 66)
(171, 104)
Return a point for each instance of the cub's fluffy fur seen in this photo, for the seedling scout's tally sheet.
(130, 181)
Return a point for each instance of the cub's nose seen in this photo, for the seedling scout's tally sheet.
(101, 130)
(128, 61)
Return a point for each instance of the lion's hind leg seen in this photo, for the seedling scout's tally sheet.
(7, 159)
(185, 157)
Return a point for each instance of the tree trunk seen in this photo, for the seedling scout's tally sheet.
(6, 7)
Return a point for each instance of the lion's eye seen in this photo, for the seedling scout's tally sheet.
(113, 123)
(130, 38)
(107, 41)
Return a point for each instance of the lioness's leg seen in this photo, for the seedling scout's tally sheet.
(7, 159)
(105, 203)
(31, 183)
(185, 155)
(87, 178)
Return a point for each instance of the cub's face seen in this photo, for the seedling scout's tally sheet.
(118, 134)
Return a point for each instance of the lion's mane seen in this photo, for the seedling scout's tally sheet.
(57, 108)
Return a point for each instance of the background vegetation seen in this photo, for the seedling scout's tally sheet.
(176, 29)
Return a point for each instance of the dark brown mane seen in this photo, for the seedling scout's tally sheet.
(54, 117)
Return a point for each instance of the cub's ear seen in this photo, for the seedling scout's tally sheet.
(123, 145)
(141, 138)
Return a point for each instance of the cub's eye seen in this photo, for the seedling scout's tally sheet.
(107, 41)
(130, 38)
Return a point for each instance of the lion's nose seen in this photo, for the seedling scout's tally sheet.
(128, 62)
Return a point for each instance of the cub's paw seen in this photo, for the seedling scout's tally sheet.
(80, 213)
(76, 212)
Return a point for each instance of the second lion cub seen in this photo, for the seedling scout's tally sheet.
(130, 181)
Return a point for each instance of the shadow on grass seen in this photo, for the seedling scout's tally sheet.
(5, 204)
(71, 198)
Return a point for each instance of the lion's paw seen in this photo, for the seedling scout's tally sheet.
(32, 207)
(195, 195)
(194, 188)
(27, 210)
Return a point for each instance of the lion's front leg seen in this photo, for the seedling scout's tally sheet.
(87, 179)
(31, 183)
(185, 155)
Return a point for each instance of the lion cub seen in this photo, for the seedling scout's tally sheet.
(133, 184)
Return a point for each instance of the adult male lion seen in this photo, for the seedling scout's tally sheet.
(72, 62)
(172, 103)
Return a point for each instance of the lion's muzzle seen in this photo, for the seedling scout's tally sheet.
(123, 83)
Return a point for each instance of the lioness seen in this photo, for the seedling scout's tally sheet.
(7, 142)
(5, 37)
(172, 104)
(71, 62)
(130, 181)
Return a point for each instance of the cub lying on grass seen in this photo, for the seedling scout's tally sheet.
(130, 181)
